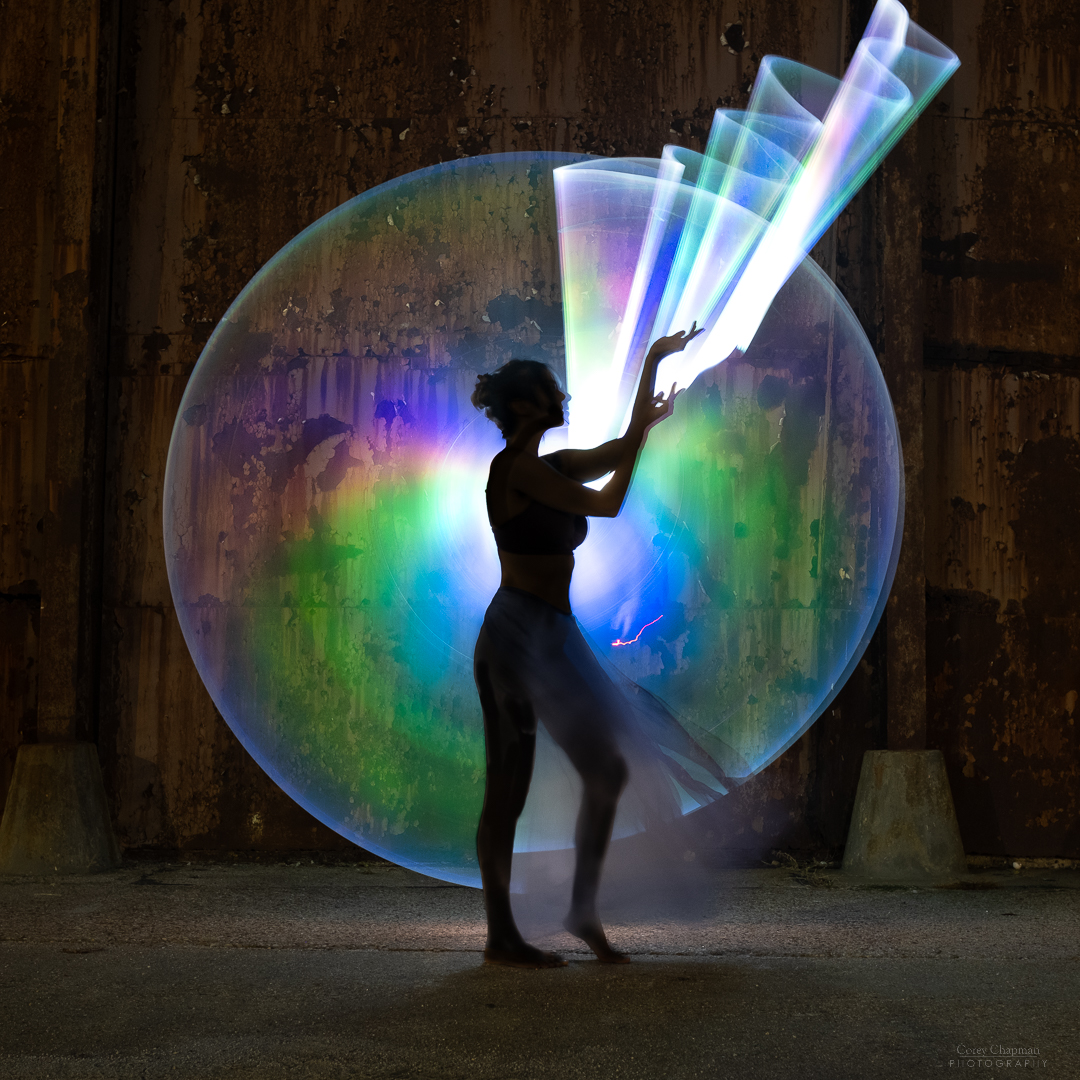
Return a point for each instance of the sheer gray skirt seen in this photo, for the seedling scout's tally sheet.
(542, 687)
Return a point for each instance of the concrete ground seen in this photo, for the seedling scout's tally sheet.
(289, 970)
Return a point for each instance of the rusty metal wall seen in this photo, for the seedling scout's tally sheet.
(237, 124)
(1001, 261)
(28, 78)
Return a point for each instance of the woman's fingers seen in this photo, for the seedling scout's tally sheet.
(662, 401)
(662, 405)
(680, 339)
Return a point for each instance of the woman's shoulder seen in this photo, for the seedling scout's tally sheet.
(501, 467)
(503, 460)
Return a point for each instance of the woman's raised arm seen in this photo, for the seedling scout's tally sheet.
(563, 489)
(541, 482)
(649, 408)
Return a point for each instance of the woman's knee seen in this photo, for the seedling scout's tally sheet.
(505, 795)
(607, 774)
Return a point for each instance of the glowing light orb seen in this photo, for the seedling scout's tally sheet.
(328, 548)
(327, 542)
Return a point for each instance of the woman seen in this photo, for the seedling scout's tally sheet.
(531, 661)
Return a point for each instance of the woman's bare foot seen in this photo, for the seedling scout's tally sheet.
(592, 933)
(522, 956)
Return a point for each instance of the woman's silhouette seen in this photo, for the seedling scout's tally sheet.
(531, 660)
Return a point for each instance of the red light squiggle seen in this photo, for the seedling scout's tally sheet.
(619, 641)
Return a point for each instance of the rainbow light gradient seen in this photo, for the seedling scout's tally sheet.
(325, 530)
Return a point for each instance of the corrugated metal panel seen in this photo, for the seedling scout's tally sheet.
(1003, 548)
(1002, 231)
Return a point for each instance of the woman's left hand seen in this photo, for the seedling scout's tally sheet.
(659, 408)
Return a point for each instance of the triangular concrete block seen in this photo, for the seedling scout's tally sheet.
(904, 826)
(56, 819)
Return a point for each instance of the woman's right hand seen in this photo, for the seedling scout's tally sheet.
(674, 343)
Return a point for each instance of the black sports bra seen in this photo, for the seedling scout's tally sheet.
(540, 530)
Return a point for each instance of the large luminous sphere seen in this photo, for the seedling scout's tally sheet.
(328, 549)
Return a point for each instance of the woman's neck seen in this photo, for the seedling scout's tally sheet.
(526, 440)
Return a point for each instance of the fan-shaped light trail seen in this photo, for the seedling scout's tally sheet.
(712, 237)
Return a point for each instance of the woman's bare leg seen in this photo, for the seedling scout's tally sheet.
(583, 733)
(495, 850)
(604, 777)
(510, 742)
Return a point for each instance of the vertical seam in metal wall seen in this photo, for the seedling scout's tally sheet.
(109, 60)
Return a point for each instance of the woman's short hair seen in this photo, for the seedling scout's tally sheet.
(516, 380)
